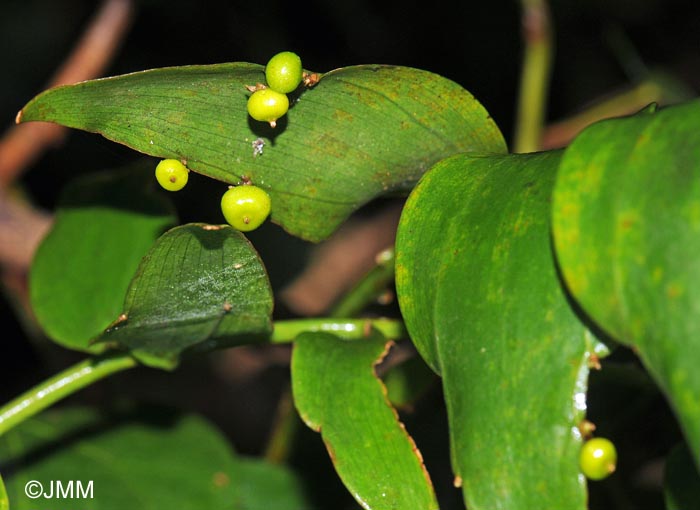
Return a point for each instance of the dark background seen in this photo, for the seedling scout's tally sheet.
(476, 44)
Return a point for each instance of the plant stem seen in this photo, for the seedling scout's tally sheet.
(369, 288)
(350, 329)
(284, 428)
(86, 372)
(60, 386)
(534, 78)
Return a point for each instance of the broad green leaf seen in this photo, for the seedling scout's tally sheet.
(626, 225)
(482, 301)
(681, 480)
(104, 225)
(200, 286)
(338, 394)
(360, 132)
(145, 463)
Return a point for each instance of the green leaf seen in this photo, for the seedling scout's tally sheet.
(681, 480)
(360, 132)
(104, 225)
(4, 502)
(265, 486)
(338, 394)
(200, 286)
(482, 301)
(157, 461)
(626, 224)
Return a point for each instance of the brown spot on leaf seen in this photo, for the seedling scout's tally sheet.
(221, 479)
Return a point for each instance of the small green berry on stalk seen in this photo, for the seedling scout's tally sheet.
(267, 105)
(283, 72)
(245, 207)
(171, 174)
(598, 458)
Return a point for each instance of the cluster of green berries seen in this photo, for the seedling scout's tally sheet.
(245, 207)
(283, 74)
(598, 458)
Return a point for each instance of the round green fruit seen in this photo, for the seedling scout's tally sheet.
(172, 174)
(283, 72)
(598, 458)
(245, 207)
(267, 105)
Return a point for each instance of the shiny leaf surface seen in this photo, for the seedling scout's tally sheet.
(360, 132)
(482, 301)
(200, 286)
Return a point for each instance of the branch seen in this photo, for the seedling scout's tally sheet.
(534, 78)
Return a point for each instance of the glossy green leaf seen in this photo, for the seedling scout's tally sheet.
(142, 462)
(626, 224)
(360, 132)
(482, 301)
(681, 480)
(104, 225)
(200, 286)
(338, 394)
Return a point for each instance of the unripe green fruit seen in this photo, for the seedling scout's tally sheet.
(267, 105)
(598, 458)
(283, 72)
(172, 174)
(245, 207)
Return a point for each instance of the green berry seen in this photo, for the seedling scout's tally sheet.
(245, 207)
(171, 174)
(283, 72)
(598, 458)
(267, 105)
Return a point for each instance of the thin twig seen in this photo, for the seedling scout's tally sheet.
(534, 79)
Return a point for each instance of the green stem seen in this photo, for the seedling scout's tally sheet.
(285, 426)
(91, 370)
(534, 79)
(369, 288)
(351, 329)
(60, 386)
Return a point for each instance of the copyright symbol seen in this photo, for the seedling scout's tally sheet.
(33, 489)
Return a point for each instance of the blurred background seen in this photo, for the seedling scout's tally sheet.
(606, 52)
